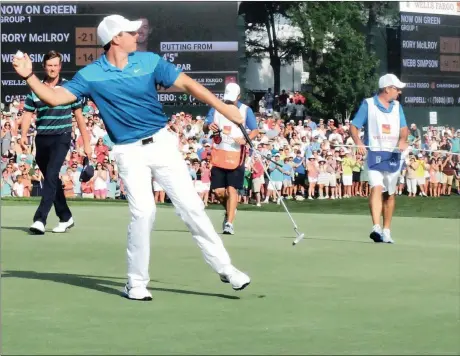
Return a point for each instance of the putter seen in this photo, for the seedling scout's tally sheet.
(299, 235)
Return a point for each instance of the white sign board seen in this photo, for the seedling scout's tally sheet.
(433, 118)
(431, 7)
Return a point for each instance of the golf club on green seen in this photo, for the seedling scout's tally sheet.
(299, 235)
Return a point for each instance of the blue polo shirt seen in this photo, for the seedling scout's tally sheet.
(251, 122)
(126, 98)
(300, 169)
(360, 119)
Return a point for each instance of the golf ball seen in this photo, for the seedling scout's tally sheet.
(19, 54)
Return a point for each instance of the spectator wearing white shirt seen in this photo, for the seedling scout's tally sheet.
(335, 136)
(18, 187)
(76, 179)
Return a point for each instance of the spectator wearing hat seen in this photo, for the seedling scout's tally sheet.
(204, 152)
(323, 179)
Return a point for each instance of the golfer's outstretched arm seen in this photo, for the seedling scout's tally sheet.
(187, 84)
(51, 96)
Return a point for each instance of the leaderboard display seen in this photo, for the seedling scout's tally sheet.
(430, 53)
(200, 38)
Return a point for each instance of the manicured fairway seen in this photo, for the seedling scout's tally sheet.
(335, 293)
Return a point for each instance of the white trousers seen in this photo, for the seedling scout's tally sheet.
(162, 159)
(412, 185)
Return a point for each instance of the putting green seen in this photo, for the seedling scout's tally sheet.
(336, 292)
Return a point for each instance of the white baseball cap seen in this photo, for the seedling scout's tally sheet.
(232, 91)
(112, 25)
(390, 80)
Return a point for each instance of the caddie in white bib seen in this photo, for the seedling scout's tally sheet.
(385, 142)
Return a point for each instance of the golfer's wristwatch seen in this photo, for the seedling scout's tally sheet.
(31, 74)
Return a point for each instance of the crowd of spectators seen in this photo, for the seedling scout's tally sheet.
(314, 160)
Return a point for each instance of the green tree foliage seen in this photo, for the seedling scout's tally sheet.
(342, 70)
(262, 20)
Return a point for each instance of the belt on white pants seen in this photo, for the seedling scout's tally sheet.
(149, 139)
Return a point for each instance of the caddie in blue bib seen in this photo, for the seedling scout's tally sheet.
(383, 161)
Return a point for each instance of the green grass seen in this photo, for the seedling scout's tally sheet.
(334, 293)
(444, 207)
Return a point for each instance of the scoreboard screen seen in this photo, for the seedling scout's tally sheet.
(201, 38)
(430, 53)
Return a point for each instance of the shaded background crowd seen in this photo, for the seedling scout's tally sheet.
(314, 162)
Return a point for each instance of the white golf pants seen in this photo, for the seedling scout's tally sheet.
(162, 159)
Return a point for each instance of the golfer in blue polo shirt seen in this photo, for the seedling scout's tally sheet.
(123, 83)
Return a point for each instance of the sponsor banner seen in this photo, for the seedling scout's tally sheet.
(431, 91)
(431, 7)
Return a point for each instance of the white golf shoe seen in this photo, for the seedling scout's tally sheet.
(64, 226)
(137, 293)
(228, 229)
(386, 237)
(235, 277)
(37, 228)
